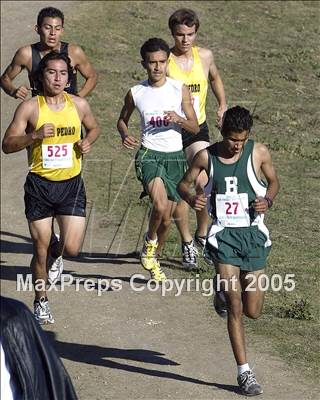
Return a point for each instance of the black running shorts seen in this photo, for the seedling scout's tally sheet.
(202, 136)
(44, 198)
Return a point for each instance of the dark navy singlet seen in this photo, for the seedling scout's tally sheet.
(36, 57)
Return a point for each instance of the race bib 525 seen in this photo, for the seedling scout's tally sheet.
(57, 155)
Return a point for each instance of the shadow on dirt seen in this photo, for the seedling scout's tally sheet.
(97, 355)
(25, 247)
(71, 278)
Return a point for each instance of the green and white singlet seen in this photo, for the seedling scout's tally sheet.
(233, 188)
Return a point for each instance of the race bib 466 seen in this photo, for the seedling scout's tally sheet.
(156, 120)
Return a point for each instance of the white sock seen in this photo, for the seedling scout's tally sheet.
(155, 241)
(243, 368)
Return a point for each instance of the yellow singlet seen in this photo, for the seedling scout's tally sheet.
(195, 80)
(56, 158)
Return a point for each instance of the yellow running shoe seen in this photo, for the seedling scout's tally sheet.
(148, 255)
(157, 274)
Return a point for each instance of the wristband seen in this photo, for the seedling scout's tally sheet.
(269, 201)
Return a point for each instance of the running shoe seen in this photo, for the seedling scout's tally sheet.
(200, 241)
(55, 271)
(219, 301)
(42, 312)
(54, 240)
(248, 384)
(157, 274)
(148, 256)
(189, 255)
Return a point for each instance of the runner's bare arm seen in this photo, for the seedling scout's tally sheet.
(82, 64)
(263, 156)
(190, 123)
(15, 138)
(199, 163)
(217, 87)
(128, 141)
(90, 124)
(18, 63)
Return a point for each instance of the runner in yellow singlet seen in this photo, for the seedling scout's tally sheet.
(195, 67)
(50, 28)
(54, 186)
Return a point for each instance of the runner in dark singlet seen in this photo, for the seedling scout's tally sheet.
(49, 27)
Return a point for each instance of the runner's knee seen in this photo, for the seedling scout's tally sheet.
(166, 222)
(160, 208)
(71, 249)
(40, 251)
(252, 312)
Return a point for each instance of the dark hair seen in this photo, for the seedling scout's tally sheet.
(53, 55)
(236, 119)
(152, 45)
(183, 16)
(50, 12)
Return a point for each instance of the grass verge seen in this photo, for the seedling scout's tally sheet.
(267, 53)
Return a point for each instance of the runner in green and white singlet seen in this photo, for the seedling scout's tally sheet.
(238, 241)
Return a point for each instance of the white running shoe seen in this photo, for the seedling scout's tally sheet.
(55, 270)
(200, 241)
(248, 384)
(42, 312)
(189, 255)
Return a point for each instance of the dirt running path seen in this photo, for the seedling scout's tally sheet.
(123, 344)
